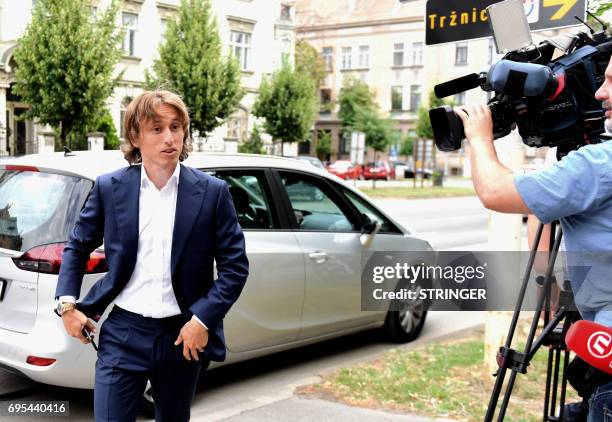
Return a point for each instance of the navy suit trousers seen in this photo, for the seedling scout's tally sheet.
(133, 349)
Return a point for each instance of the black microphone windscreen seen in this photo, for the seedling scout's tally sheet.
(456, 86)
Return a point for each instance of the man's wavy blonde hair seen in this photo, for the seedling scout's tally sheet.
(143, 108)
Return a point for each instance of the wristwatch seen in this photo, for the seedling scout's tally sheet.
(64, 307)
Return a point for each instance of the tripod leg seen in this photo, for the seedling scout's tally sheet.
(548, 383)
(507, 394)
(499, 382)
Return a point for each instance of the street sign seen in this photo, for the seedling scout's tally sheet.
(458, 20)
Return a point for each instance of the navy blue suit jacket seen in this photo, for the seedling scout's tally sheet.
(205, 230)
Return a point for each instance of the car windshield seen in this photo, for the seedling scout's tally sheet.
(341, 164)
(38, 208)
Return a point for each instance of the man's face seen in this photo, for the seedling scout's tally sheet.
(161, 139)
(604, 93)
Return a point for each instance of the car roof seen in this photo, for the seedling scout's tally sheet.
(90, 164)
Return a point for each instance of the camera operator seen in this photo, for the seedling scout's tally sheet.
(577, 191)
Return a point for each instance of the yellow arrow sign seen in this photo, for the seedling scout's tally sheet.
(566, 5)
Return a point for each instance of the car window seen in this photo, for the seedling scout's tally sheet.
(313, 208)
(38, 208)
(365, 208)
(251, 199)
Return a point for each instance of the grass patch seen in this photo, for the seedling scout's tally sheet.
(418, 192)
(438, 380)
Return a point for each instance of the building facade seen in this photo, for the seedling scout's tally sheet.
(379, 41)
(260, 33)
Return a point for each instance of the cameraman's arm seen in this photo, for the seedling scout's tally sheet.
(493, 182)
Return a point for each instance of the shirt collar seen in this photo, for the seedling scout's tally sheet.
(146, 182)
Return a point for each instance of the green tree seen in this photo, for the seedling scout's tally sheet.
(107, 127)
(377, 129)
(323, 145)
(423, 126)
(65, 62)
(355, 99)
(288, 104)
(407, 146)
(191, 63)
(254, 145)
(598, 7)
(308, 61)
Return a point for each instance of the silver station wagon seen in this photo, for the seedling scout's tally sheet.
(306, 232)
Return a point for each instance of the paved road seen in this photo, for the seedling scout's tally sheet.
(447, 223)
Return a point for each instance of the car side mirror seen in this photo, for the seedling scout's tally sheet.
(369, 224)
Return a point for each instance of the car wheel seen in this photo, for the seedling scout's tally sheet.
(405, 323)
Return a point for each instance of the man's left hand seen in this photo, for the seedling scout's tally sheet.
(194, 338)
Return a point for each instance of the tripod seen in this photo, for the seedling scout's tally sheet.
(552, 335)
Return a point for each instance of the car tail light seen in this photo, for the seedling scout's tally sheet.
(48, 259)
(36, 361)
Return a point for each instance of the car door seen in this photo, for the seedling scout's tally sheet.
(269, 309)
(328, 234)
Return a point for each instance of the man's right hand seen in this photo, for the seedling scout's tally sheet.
(74, 322)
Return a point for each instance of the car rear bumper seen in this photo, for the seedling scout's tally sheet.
(74, 364)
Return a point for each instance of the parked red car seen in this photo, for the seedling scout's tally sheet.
(344, 169)
(379, 170)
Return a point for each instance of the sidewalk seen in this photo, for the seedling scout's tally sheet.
(297, 409)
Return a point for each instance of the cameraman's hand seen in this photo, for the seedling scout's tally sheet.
(74, 322)
(477, 123)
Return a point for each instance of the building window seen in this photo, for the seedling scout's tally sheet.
(345, 143)
(164, 27)
(285, 12)
(396, 98)
(328, 58)
(417, 53)
(398, 54)
(347, 53)
(130, 23)
(364, 56)
(325, 101)
(461, 54)
(460, 98)
(415, 97)
(240, 44)
(286, 50)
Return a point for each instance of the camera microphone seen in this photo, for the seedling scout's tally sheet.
(592, 342)
(458, 85)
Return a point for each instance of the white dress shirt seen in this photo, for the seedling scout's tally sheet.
(149, 291)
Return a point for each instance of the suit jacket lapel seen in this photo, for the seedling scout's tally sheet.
(188, 205)
(126, 194)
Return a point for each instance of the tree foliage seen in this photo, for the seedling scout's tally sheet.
(377, 129)
(323, 148)
(355, 99)
(254, 145)
(65, 63)
(191, 63)
(106, 126)
(423, 126)
(288, 103)
(308, 61)
(407, 146)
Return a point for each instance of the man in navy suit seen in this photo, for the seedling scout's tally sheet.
(164, 226)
